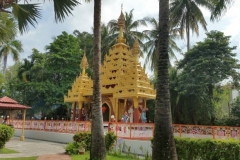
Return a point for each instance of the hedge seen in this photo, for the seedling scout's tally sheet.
(6, 133)
(207, 149)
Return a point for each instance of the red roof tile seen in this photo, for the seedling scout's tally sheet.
(12, 106)
(8, 103)
(6, 99)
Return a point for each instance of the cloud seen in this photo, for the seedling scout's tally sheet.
(82, 20)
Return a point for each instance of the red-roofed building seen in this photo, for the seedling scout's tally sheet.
(7, 103)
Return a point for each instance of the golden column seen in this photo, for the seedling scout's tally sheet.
(23, 126)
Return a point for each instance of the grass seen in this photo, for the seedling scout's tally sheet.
(7, 151)
(20, 158)
(86, 156)
(10, 151)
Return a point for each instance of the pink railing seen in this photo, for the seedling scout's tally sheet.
(131, 130)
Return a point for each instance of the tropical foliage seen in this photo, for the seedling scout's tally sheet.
(8, 28)
(28, 13)
(186, 15)
(151, 45)
(13, 47)
(130, 29)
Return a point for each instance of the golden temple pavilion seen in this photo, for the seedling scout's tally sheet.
(124, 84)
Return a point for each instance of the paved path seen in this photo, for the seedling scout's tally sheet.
(28, 148)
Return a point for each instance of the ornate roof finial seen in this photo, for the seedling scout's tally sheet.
(121, 24)
(84, 63)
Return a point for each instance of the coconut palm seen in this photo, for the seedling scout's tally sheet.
(151, 46)
(107, 40)
(13, 47)
(28, 13)
(186, 15)
(219, 7)
(163, 144)
(24, 70)
(98, 150)
(8, 28)
(130, 29)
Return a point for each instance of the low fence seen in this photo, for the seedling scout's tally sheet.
(131, 130)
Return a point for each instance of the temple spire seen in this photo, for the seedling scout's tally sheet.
(84, 63)
(121, 25)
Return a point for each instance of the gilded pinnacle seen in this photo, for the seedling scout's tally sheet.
(84, 63)
(121, 20)
(121, 24)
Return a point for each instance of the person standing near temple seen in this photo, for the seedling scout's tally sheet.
(125, 117)
(143, 114)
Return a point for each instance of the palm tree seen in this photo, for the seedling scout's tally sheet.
(10, 47)
(130, 29)
(27, 13)
(98, 150)
(8, 28)
(219, 7)
(24, 70)
(150, 47)
(186, 15)
(163, 144)
(86, 41)
(107, 40)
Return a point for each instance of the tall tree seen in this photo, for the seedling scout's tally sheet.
(98, 150)
(151, 47)
(205, 66)
(13, 47)
(186, 14)
(163, 144)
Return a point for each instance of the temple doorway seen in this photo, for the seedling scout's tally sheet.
(105, 111)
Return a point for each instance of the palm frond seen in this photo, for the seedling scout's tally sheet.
(25, 14)
(8, 27)
(220, 7)
(63, 8)
(15, 54)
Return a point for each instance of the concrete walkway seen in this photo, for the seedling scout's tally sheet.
(29, 148)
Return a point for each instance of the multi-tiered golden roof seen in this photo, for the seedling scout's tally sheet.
(122, 80)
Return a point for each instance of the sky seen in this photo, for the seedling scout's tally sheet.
(82, 20)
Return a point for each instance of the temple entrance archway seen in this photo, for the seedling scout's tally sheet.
(106, 112)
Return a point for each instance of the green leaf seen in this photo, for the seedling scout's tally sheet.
(63, 8)
(25, 14)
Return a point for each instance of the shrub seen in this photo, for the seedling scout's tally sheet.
(110, 139)
(6, 133)
(85, 138)
(69, 148)
(210, 149)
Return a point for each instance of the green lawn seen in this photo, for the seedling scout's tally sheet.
(10, 151)
(21, 158)
(86, 156)
(7, 151)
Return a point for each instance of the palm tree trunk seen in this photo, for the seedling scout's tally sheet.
(187, 32)
(163, 144)
(98, 150)
(4, 63)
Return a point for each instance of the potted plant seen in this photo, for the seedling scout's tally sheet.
(82, 146)
(75, 147)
